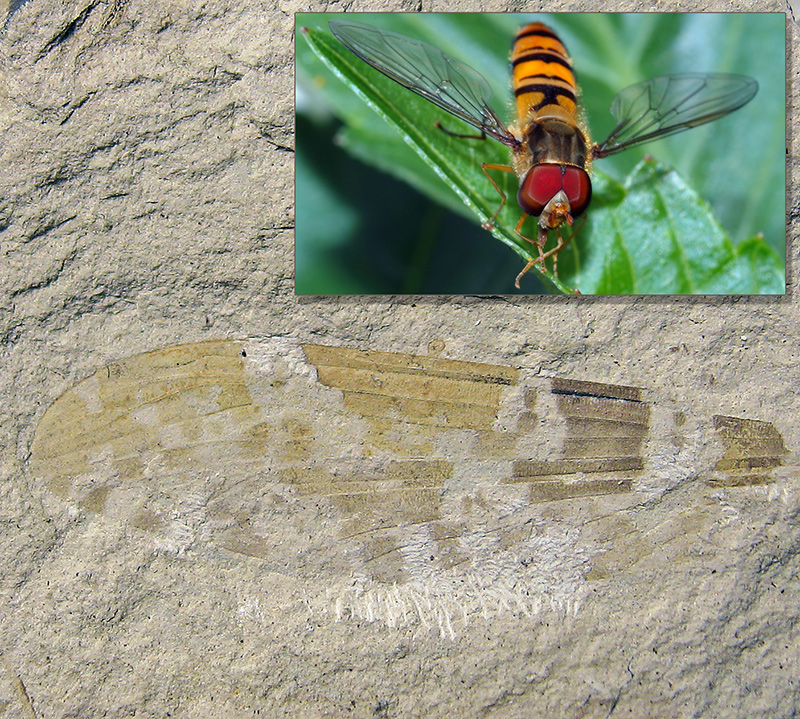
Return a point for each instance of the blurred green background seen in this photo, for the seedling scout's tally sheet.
(360, 229)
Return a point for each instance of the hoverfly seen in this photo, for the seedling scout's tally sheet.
(551, 152)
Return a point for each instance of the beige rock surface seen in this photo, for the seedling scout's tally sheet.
(146, 201)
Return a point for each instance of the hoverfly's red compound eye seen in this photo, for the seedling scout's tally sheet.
(543, 182)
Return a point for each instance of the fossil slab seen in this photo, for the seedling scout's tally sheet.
(409, 487)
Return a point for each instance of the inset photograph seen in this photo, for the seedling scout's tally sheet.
(594, 154)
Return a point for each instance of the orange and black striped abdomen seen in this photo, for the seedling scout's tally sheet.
(542, 71)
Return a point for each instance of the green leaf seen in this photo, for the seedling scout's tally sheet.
(649, 234)
(661, 238)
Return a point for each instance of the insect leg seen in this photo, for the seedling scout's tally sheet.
(505, 168)
(539, 242)
(543, 255)
(562, 244)
(527, 267)
(482, 136)
(555, 251)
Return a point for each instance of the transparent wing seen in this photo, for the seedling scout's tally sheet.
(673, 103)
(426, 70)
